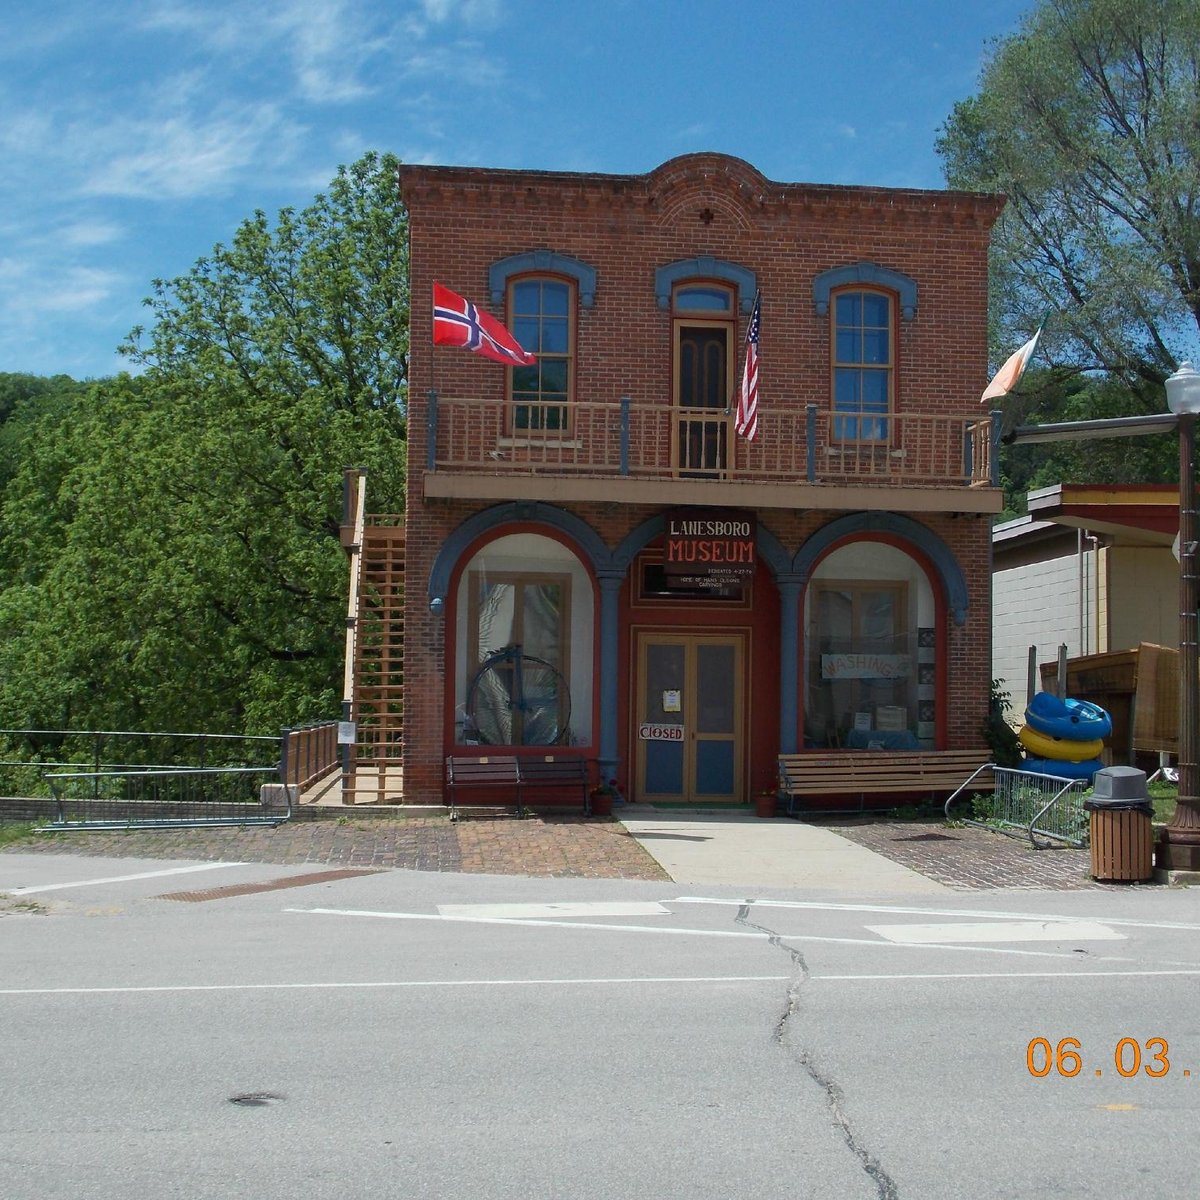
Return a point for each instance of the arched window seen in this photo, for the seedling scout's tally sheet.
(524, 645)
(869, 650)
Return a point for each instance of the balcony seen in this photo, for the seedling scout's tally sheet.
(632, 453)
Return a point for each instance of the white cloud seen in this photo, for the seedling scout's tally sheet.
(463, 62)
(181, 156)
(327, 44)
(469, 12)
(95, 232)
(31, 288)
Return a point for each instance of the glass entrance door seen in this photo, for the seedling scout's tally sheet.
(689, 712)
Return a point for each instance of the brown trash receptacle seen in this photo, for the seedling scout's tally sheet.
(1122, 835)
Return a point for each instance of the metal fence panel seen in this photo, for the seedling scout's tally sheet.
(160, 798)
(1042, 806)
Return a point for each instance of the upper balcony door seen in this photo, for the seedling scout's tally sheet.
(703, 323)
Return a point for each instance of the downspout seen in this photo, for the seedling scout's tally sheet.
(1080, 577)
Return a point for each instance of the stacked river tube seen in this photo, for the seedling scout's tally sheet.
(1064, 737)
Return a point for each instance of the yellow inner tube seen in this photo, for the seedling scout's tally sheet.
(1042, 745)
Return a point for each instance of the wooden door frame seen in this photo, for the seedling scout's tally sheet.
(715, 416)
(739, 639)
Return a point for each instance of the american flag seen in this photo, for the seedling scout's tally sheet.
(746, 421)
(457, 322)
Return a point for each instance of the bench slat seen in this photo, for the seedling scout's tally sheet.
(846, 773)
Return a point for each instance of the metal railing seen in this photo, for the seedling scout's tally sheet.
(809, 444)
(1045, 806)
(27, 754)
(167, 798)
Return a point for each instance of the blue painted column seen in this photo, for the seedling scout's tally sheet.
(789, 660)
(610, 590)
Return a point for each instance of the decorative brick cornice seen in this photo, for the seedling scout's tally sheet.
(683, 188)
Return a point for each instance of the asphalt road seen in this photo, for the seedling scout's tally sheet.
(180, 1030)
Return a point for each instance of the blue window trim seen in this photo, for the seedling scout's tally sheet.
(705, 267)
(945, 564)
(867, 274)
(542, 262)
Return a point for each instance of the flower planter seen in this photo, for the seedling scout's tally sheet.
(602, 804)
(764, 806)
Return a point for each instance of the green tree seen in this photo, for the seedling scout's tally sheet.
(1047, 396)
(169, 552)
(1088, 120)
(27, 403)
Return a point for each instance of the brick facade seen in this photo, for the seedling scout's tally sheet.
(463, 220)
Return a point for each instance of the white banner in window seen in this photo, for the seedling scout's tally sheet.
(866, 666)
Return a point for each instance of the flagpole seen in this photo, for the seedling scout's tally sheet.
(431, 411)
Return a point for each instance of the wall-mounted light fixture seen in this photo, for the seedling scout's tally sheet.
(436, 605)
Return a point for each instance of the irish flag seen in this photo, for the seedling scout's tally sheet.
(1006, 378)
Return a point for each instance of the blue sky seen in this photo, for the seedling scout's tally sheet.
(137, 134)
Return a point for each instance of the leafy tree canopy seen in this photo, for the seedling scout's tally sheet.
(1089, 121)
(1047, 396)
(169, 552)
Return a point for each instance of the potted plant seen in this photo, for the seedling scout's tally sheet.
(766, 802)
(602, 797)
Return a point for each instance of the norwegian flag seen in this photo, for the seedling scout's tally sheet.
(746, 420)
(457, 322)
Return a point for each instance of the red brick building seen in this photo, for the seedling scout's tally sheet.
(596, 562)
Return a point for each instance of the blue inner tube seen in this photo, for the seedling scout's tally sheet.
(1076, 720)
(1063, 770)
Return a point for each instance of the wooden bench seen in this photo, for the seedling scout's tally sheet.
(513, 774)
(555, 771)
(878, 773)
(485, 772)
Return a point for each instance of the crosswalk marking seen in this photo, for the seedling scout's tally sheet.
(997, 931)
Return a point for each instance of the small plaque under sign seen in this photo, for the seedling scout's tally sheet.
(347, 733)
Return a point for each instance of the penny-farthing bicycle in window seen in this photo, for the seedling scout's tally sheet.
(516, 699)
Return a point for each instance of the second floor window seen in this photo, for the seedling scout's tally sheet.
(864, 365)
(704, 375)
(542, 316)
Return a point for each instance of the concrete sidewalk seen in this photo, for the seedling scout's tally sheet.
(735, 848)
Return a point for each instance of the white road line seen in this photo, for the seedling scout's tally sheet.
(400, 983)
(820, 906)
(565, 908)
(996, 975)
(55, 887)
(998, 931)
(721, 933)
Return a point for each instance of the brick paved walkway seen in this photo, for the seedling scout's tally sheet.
(550, 846)
(969, 858)
(965, 858)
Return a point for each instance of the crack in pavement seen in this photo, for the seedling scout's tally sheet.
(834, 1096)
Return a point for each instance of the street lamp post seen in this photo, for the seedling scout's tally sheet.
(1180, 846)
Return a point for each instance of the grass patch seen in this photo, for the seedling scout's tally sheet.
(17, 832)
(1163, 796)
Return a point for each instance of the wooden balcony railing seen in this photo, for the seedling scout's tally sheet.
(656, 441)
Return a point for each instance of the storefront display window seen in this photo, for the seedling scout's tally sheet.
(524, 646)
(869, 659)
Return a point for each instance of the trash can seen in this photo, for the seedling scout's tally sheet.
(1121, 830)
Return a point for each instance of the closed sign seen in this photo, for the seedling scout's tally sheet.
(660, 733)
